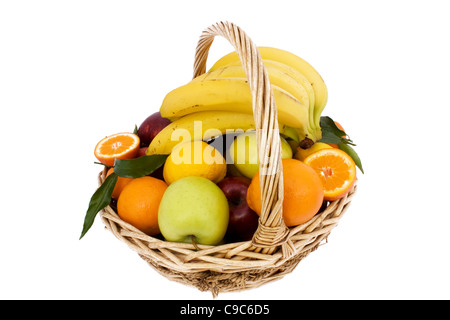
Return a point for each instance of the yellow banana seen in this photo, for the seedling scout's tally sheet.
(201, 126)
(232, 94)
(276, 76)
(320, 89)
(280, 75)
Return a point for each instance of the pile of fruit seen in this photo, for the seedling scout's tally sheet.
(189, 173)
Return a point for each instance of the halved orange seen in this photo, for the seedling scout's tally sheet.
(336, 169)
(123, 145)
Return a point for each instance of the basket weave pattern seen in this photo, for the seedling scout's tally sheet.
(275, 250)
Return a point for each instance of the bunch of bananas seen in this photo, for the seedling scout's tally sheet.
(221, 100)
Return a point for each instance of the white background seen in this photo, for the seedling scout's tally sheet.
(72, 72)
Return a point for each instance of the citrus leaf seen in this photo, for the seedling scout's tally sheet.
(352, 153)
(100, 199)
(329, 137)
(331, 132)
(328, 123)
(139, 167)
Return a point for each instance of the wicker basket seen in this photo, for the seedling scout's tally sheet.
(275, 250)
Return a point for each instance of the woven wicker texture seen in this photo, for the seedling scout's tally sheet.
(275, 250)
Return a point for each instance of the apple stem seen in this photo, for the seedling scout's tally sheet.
(194, 243)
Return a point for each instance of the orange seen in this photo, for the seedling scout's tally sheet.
(303, 193)
(139, 201)
(336, 169)
(194, 158)
(120, 184)
(117, 146)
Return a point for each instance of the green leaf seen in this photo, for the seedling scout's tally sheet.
(329, 137)
(331, 133)
(135, 131)
(100, 199)
(139, 167)
(352, 153)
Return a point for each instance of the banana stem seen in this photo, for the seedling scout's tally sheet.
(306, 143)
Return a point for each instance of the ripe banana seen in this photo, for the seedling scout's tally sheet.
(201, 126)
(280, 75)
(320, 89)
(276, 76)
(233, 94)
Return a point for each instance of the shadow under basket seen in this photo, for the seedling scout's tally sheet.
(275, 249)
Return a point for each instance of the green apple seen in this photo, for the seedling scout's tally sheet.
(244, 153)
(193, 209)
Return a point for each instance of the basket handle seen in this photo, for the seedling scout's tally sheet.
(272, 231)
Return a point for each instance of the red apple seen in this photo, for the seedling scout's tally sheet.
(158, 173)
(141, 152)
(243, 220)
(151, 127)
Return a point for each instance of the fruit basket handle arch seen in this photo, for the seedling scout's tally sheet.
(272, 231)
